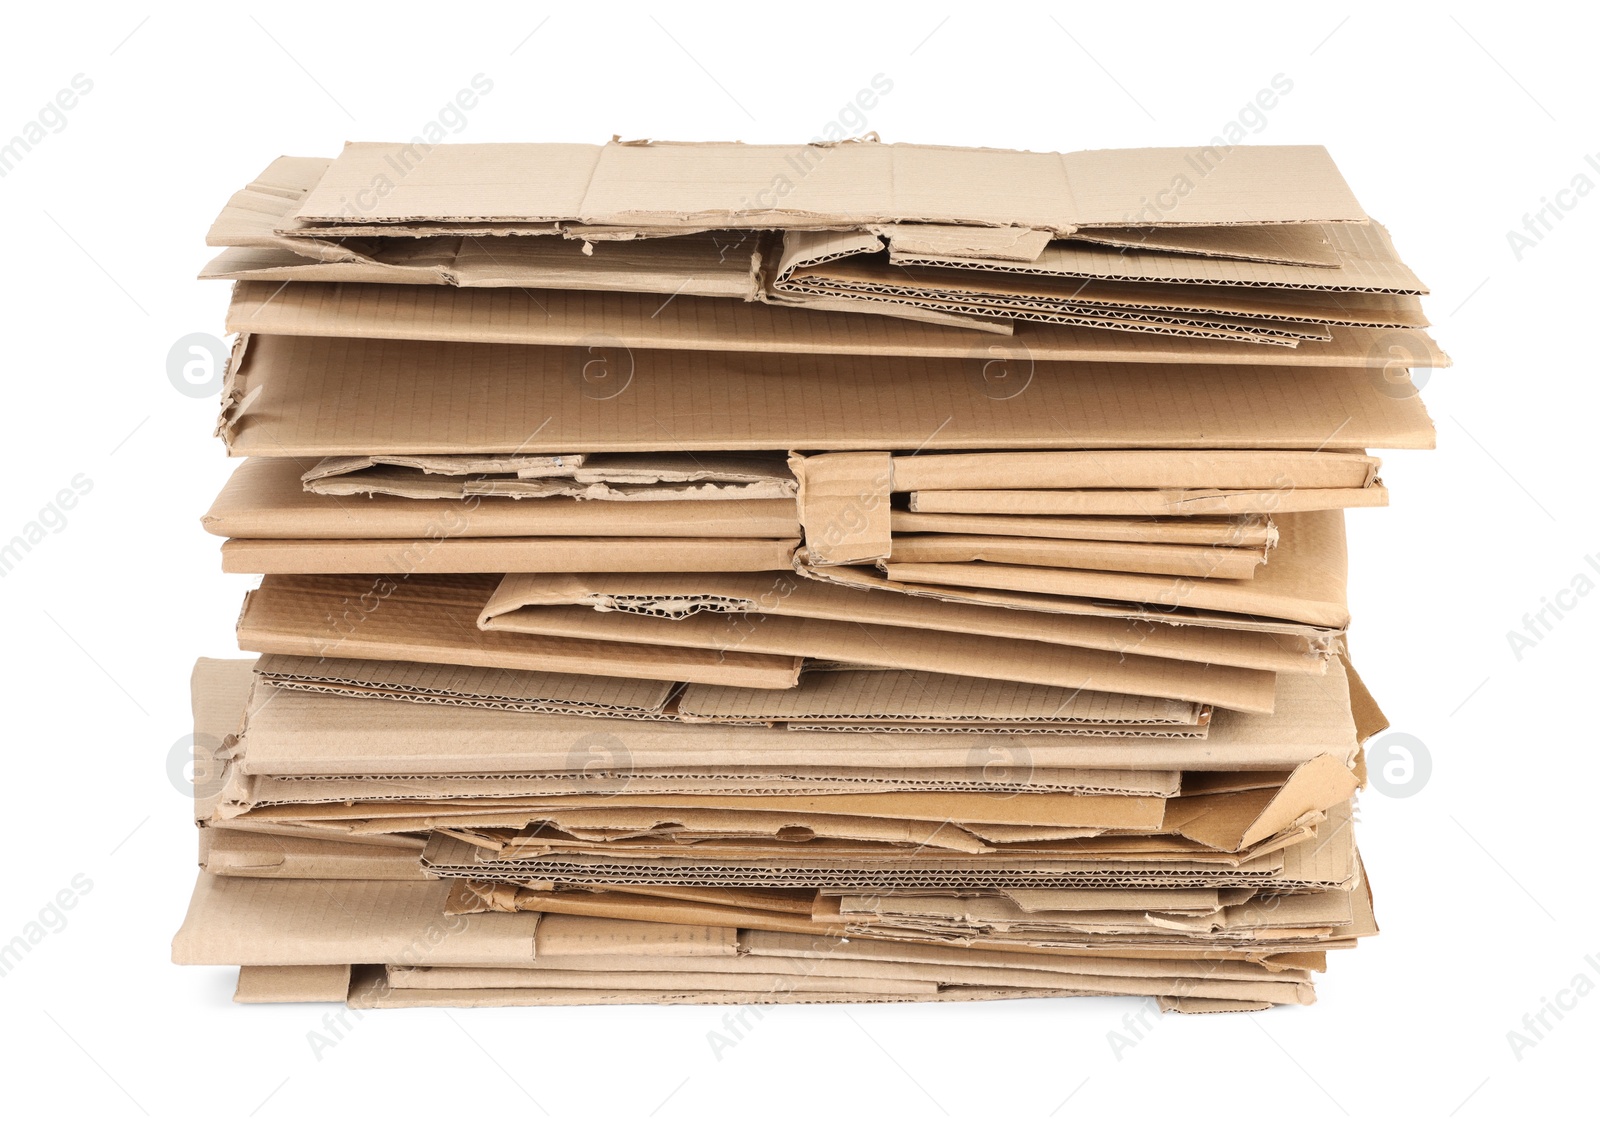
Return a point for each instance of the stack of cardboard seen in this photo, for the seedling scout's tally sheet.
(825, 573)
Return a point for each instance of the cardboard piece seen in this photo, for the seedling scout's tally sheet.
(756, 596)
(381, 396)
(528, 604)
(264, 499)
(468, 556)
(610, 317)
(431, 619)
(715, 185)
(303, 733)
(1303, 582)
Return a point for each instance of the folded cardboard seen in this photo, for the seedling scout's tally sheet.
(1303, 583)
(842, 700)
(623, 318)
(431, 619)
(499, 555)
(523, 605)
(295, 733)
(440, 397)
(755, 596)
(667, 185)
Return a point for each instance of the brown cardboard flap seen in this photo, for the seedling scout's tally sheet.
(680, 595)
(1304, 580)
(260, 922)
(502, 555)
(304, 733)
(286, 299)
(523, 605)
(1123, 470)
(718, 185)
(507, 689)
(431, 619)
(1133, 558)
(1305, 244)
(302, 983)
(385, 396)
(1253, 531)
(264, 499)
(1367, 263)
(249, 853)
(914, 696)
(1172, 501)
(844, 505)
(1233, 821)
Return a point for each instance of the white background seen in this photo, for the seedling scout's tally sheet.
(1450, 127)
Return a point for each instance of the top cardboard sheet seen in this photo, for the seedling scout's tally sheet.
(731, 185)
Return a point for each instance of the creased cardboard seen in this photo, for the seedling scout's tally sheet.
(431, 619)
(381, 396)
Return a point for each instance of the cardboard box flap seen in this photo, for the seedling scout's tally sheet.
(520, 607)
(927, 696)
(950, 239)
(1232, 822)
(844, 505)
(302, 733)
(1136, 558)
(1303, 581)
(560, 936)
(1368, 262)
(1175, 502)
(1305, 244)
(408, 557)
(487, 464)
(1241, 531)
(301, 983)
(1038, 471)
(859, 182)
(383, 396)
(264, 499)
(546, 690)
(431, 619)
(592, 313)
(253, 921)
(678, 595)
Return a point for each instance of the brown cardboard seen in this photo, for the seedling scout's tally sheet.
(717, 185)
(844, 506)
(264, 922)
(382, 396)
(303, 733)
(1247, 531)
(264, 499)
(659, 477)
(1133, 558)
(1367, 263)
(1172, 501)
(1125, 470)
(1232, 822)
(430, 619)
(525, 605)
(1307, 645)
(757, 595)
(302, 983)
(256, 853)
(504, 689)
(501, 555)
(1304, 581)
(1305, 244)
(927, 697)
(625, 319)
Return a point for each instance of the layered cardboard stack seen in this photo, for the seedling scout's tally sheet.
(824, 573)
